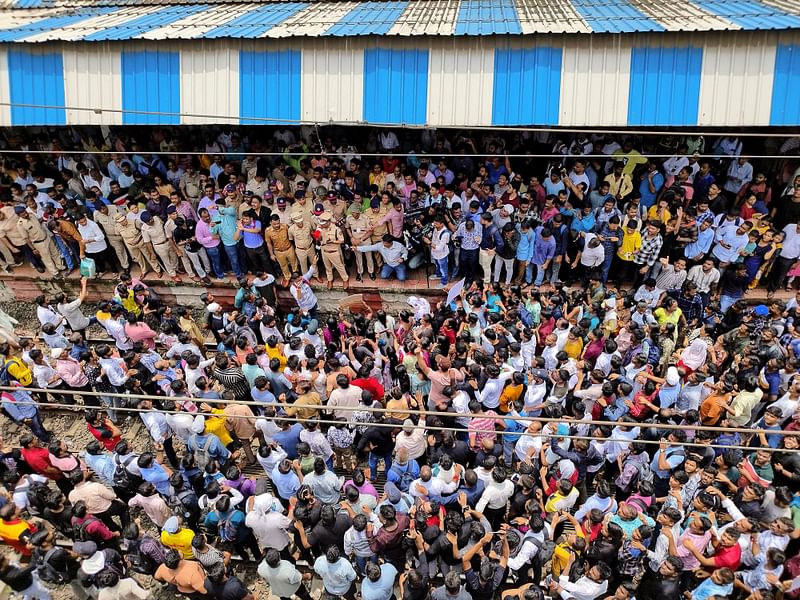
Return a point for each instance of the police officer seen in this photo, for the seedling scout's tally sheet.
(331, 239)
(357, 227)
(39, 240)
(300, 233)
(280, 248)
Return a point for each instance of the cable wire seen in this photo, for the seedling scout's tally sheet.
(322, 408)
(362, 123)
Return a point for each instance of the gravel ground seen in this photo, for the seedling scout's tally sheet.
(71, 429)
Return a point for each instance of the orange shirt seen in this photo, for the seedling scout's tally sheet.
(711, 410)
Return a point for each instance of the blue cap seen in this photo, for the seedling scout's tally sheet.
(20, 208)
(375, 203)
(761, 310)
(146, 216)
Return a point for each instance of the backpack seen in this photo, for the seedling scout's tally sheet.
(653, 354)
(645, 473)
(141, 563)
(545, 552)
(123, 478)
(406, 477)
(201, 454)
(80, 530)
(177, 505)
(48, 572)
(227, 528)
(6, 378)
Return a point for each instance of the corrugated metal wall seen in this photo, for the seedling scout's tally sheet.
(151, 87)
(36, 79)
(459, 82)
(5, 96)
(93, 79)
(210, 83)
(332, 82)
(728, 79)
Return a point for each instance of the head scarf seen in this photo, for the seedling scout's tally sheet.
(695, 355)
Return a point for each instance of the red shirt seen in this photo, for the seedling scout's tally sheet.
(372, 385)
(39, 460)
(104, 437)
(729, 557)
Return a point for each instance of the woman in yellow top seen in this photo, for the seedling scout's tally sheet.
(173, 535)
(669, 312)
(574, 344)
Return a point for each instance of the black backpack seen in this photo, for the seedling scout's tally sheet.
(140, 563)
(123, 478)
(47, 572)
(81, 534)
(179, 505)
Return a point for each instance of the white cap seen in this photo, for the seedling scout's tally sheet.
(672, 376)
(199, 424)
(508, 208)
(213, 307)
(94, 564)
(56, 352)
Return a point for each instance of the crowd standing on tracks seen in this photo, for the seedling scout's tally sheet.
(597, 413)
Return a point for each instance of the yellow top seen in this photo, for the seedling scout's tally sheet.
(180, 541)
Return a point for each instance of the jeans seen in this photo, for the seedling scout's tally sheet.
(606, 266)
(455, 255)
(399, 270)
(70, 258)
(233, 258)
(468, 264)
(37, 427)
(216, 260)
(725, 302)
(416, 261)
(555, 268)
(111, 403)
(441, 268)
(361, 563)
(539, 275)
(499, 263)
(373, 463)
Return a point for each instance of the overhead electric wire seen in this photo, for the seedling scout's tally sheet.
(324, 408)
(280, 121)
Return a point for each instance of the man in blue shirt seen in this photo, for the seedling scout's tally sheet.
(652, 182)
(288, 437)
(20, 406)
(250, 231)
(379, 582)
(695, 251)
(670, 455)
(226, 227)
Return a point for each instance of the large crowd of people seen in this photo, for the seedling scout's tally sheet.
(598, 412)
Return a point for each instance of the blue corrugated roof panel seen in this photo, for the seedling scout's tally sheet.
(53, 23)
(256, 23)
(28, 3)
(369, 18)
(617, 17)
(487, 17)
(139, 25)
(750, 14)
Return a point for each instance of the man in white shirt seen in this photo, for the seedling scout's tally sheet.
(426, 484)
(590, 586)
(494, 498)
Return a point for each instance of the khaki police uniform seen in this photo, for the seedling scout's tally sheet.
(281, 248)
(331, 240)
(107, 224)
(141, 252)
(300, 233)
(154, 233)
(36, 234)
(357, 226)
(378, 231)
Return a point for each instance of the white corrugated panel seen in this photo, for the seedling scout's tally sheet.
(460, 83)
(551, 16)
(736, 81)
(427, 17)
(683, 15)
(5, 95)
(312, 21)
(595, 80)
(92, 80)
(210, 82)
(332, 84)
(195, 25)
